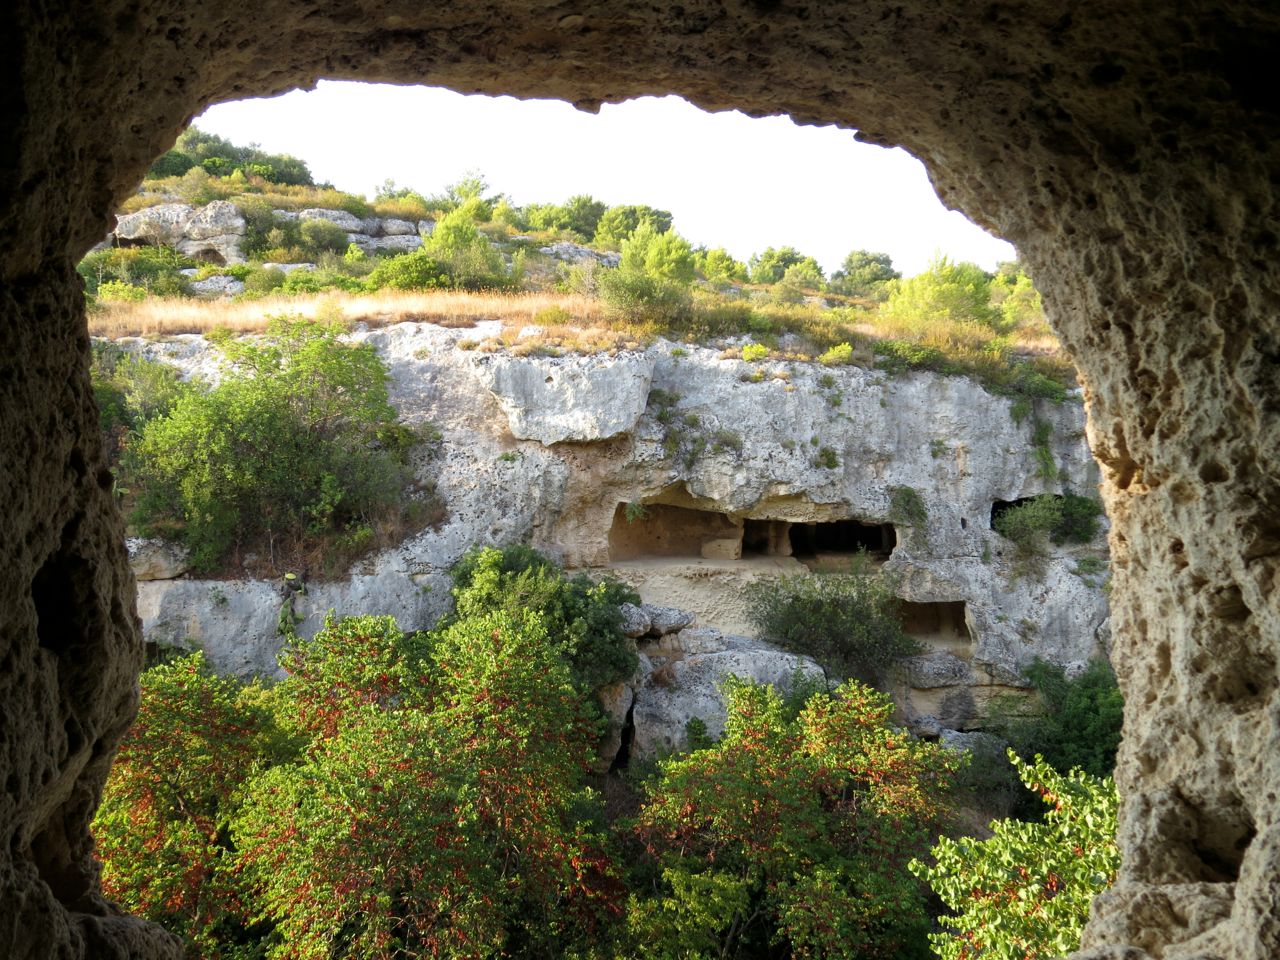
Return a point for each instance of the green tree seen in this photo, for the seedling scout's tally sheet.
(663, 256)
(298, 438)
(1019, 302)
(864, 274)
(791, 831)
(417, 270)
(583, 614)
(851, 623)
(717, 266)
(618, 224)
(443, 820)
(472, 262)
(1024, 894)
(771, 265)
(162, 828)
(946, 292)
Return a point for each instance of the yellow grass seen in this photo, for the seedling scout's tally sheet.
(158, 316)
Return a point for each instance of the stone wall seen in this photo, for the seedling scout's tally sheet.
(1132, 153)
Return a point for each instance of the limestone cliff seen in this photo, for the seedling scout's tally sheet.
(688, 474)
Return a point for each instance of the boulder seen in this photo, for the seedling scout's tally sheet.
(635, 622)
(974, 742)
(425, 227)
(683, 689)
(392, 227)
(156, 559)
(399, 243)
(164, 224)
(573, 253)
(693, 641)
(288, 268)
(221, 218)
(574, 398)
(347, 221)
(218, 286)
(664, 620)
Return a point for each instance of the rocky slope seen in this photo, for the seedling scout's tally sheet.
(689, 475)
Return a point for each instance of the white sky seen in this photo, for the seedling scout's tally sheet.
(729, 180)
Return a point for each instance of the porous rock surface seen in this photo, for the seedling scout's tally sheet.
(956, 446)
(1130, 150)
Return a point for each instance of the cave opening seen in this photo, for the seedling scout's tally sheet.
(1000, 507)
(662, 530)
(842, 538)
(939, 624)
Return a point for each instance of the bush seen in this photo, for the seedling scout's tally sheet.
(838, 356)
(161, 830)
(1029, 526)
(298, 439)
(755, 352)
(114, 291)
(320, 236)
(580, 613)
(639, 298)
(130, 390)
(1024, 894)
(850, 623)
(407, 271)
(1080, 722)
(260, 282)
(791, 832)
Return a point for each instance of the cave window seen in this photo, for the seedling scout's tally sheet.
(661, 530)
(939, 624)
(842, 538)
(210, 256)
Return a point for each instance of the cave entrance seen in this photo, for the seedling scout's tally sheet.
(1000, 507)
(661, 530)
(824, 546)
(209, 256)
(939, 624)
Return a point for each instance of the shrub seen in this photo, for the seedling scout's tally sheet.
(771, 265)
(466, 255)
(1079, 519)
(320, 236)
(946, 292)
(838, 356)
(850, 623)
(617, 224)
(791, 832)
(443, 821)
(1079, 725)
(114, 291)
(639, 298)
(583, 615)
(297, 439)
(1024, 894)
(161, 830)
(864, 274)
(262, 282)
(755, 352)
(407, 271)
(718, 266)
(662, 256)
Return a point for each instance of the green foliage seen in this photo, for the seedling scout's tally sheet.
(580, 613)
(826, 458)
(663, 256)
(755, 352)
(407, 271)
(838, 356)
(298, 438)
(153, 269)
(221, 157)
(771, 265)
(617, 224)
(1079, 725)
(466, 255)
(1024, 894)
(717, 266)
(319, 236)
(791, 831)
(162, 827)
(865, 274)
(851, 623)
(907, 507)
(643, 299)
(946, 292)
(130, 390)
(1030, 526)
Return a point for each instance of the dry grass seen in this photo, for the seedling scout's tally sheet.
(157, 316)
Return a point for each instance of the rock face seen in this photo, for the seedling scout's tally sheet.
(574, 398)
(1131, 153)
(693, 533)
(213, 232)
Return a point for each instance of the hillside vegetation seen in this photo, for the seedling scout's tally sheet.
(621, 276)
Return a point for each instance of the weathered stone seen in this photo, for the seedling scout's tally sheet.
(394, 244)
(578, 398)
(392, 227)
(217, 286)
(347, 221)
(972, 742)
(665, 620)
(573, 253)
(165, 223)
(1132, 155)
(288, 268)
(220, 218)
(936, 670)
(635, 622)
(156, 559)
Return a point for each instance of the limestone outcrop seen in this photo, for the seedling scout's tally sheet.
(1129, 150)
(679, 473)
(213, 232)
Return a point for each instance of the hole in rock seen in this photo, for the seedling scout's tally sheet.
(1000, 507)
(661, 530)
(210, 256)
(939, 624)
(820, 545)
(623, 756)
